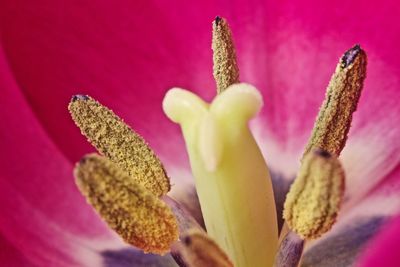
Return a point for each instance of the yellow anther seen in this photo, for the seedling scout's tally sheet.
(226, 71)
(118, 142)
(344, 90)
(138, 216)
(314, 199)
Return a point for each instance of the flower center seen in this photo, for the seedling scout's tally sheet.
(232, 178)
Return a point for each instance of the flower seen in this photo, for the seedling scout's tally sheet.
(128, 54)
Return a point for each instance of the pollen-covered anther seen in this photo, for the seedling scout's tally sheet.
(138, 216)
(226, 70)
(199, 250)
(344, 90)
(118, 142)
(314, 199)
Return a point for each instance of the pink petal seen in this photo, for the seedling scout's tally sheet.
(12, 257)
(37, 192)
(383, 250)
(44, 219)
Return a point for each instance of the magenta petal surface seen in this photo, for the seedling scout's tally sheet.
(384, 249)
(44, 219)
(12, 257)
(43, 216)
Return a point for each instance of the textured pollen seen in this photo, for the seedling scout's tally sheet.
(199, 251)
(314, 199)
(118, 142)
(226, 71)
(138, 216)
(335, 115)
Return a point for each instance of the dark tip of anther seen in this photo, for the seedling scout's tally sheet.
(79, 97)
(218, 19)
(322, 153)
(350, 55)
(83, 160)
(187, 240)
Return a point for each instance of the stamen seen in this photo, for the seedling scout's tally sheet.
(118, 142)
(344, 90)
(198, 250)
(314, 199)
(138, 216)
(290, 251)
(226, 71)
(183, 217)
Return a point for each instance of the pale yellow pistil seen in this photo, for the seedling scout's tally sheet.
(232, 179)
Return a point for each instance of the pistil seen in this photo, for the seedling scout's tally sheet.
(232, 178)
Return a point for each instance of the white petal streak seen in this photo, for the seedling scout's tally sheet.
(281, 158)
(368, 158)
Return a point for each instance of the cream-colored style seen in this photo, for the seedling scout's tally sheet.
(232, 178)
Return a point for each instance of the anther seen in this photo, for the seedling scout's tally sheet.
(118, 142)
(226, 71)
(138, 216)
(314, 199)
(334, 119)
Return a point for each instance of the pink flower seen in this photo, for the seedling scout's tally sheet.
(127, 54)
